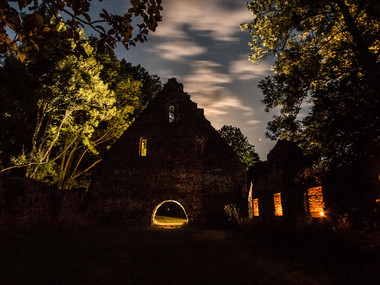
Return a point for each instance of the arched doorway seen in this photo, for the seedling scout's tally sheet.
(169, 214)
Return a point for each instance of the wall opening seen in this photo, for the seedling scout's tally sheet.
(200, 146)
(169, 214)
(277, 204)
(316, 204)
(250, 202)
(256, 207)
(143, 147)
(171, 114)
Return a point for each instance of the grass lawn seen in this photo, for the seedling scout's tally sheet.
(126, 255)
(169, 221)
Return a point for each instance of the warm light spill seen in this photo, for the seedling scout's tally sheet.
(250, 202)
(277, 204)
(256, 207)
(169, 221)
(143, 146)
(170, 215)
(316, 204)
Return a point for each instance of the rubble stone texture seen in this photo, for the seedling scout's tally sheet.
(171, 152)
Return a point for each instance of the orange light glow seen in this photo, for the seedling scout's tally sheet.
(277, 204)
(256, 207)
(316, 204)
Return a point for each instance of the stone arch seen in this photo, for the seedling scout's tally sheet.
(168, 225)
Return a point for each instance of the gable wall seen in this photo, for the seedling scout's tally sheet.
(127, 186)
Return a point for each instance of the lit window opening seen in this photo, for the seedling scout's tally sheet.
(277, 204)
(256, 207)
(316, 204)
(143, 148)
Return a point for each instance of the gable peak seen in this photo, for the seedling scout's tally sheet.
(174, 85)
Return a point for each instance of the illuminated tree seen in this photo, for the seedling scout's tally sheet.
(327, 64)
(22, 18)
(235, 138)
(75, 110)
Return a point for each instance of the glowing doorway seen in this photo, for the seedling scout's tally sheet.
(169, 214)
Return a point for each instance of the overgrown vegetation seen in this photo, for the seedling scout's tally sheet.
(60, 113)
(326, 74)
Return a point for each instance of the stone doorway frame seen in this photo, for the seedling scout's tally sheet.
(159, 205)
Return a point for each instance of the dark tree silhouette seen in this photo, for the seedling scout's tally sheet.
(22, 22)
(328, 62)
(239, 142)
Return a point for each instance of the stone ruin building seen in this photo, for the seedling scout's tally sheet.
(276, 189)
(171, 153)
(285, 186)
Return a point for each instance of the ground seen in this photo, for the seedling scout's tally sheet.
(125, 255)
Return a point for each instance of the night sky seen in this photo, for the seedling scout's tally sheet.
(200, 43)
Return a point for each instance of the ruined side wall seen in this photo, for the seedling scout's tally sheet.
(279, 175)
(25, 202)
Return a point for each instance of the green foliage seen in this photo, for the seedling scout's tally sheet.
(28, 24)
(328, 62)
(235, 138)
(75, 110)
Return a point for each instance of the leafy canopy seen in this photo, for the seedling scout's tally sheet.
(22, 22)
(239, 143)
(327, 63)
(73, 108)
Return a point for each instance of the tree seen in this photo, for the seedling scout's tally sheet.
(239, 143)
(23, 19)
(327, 60)
(75, 110)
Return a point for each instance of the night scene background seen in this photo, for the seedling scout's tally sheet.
(269, 172)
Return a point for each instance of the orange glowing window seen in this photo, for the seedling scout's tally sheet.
(316, 204)
(277, 204)
(171, 114)
(256, 207)
(143, 148)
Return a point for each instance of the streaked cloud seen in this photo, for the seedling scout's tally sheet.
(211, 16)
(253, 122)
(207, 85)
(243, 69)
(177, 50)
(206, 72)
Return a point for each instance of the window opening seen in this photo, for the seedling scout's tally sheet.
(256, 207)
(316, 204)
(250, 201)
(143, 147)
(171, 114)
(200, 146)
(277, 204)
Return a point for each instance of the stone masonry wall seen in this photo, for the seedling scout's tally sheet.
(127, 187)
(25, 202)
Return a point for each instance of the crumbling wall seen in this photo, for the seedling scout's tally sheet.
(26, 202)
(279, 174)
